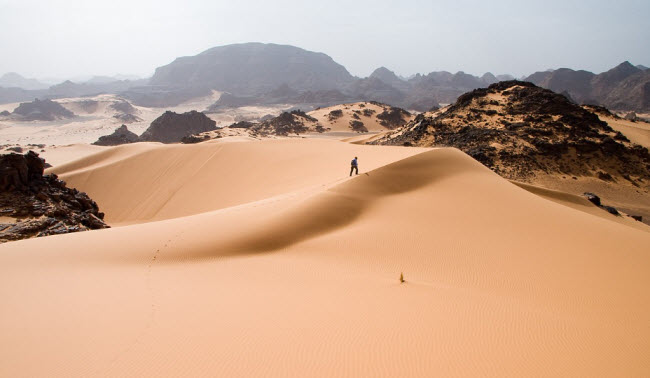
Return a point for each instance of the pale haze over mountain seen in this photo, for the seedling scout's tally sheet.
(76, 38)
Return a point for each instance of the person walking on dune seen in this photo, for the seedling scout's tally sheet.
(354, 166)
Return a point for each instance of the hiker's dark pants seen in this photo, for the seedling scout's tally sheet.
(354, 168)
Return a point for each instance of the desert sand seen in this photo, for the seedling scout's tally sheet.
(263, 258)
(91, 122)
(637, 132)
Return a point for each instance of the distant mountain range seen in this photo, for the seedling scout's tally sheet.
(623, 87)
(257, 73)
(14, 80)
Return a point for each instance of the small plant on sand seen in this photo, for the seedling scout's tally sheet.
(401, 278)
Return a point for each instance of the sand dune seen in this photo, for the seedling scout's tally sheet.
(300, 278)
(148, 181)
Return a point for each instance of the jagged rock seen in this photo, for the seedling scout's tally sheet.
(631, 117)
(172, 127)
(611, 210)
(15, 149)
(5, 113)
(121, 135)
(593, 198)
(637, 218)
(41, 204)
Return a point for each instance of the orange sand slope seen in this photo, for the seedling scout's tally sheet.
(499, 282)
(150, 181)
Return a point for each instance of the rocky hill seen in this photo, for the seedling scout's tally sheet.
(172, 127)
(33, 204)
(42, 110)
(520, 130)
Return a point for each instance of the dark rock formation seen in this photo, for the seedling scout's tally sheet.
(41, 204)
(172, 127)
(5, 113)
(593, 198)
(121, 135)
(519, 130)
(45, 110)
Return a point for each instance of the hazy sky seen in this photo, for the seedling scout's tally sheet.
(73, 38)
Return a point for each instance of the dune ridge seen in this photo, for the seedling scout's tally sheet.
(167, 181)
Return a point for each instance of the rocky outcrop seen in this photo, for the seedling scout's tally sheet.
(45, 110)
(172, 127)
(41, 204)
(519, 130)
(121, 135)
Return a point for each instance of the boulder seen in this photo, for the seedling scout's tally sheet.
(593, 198)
